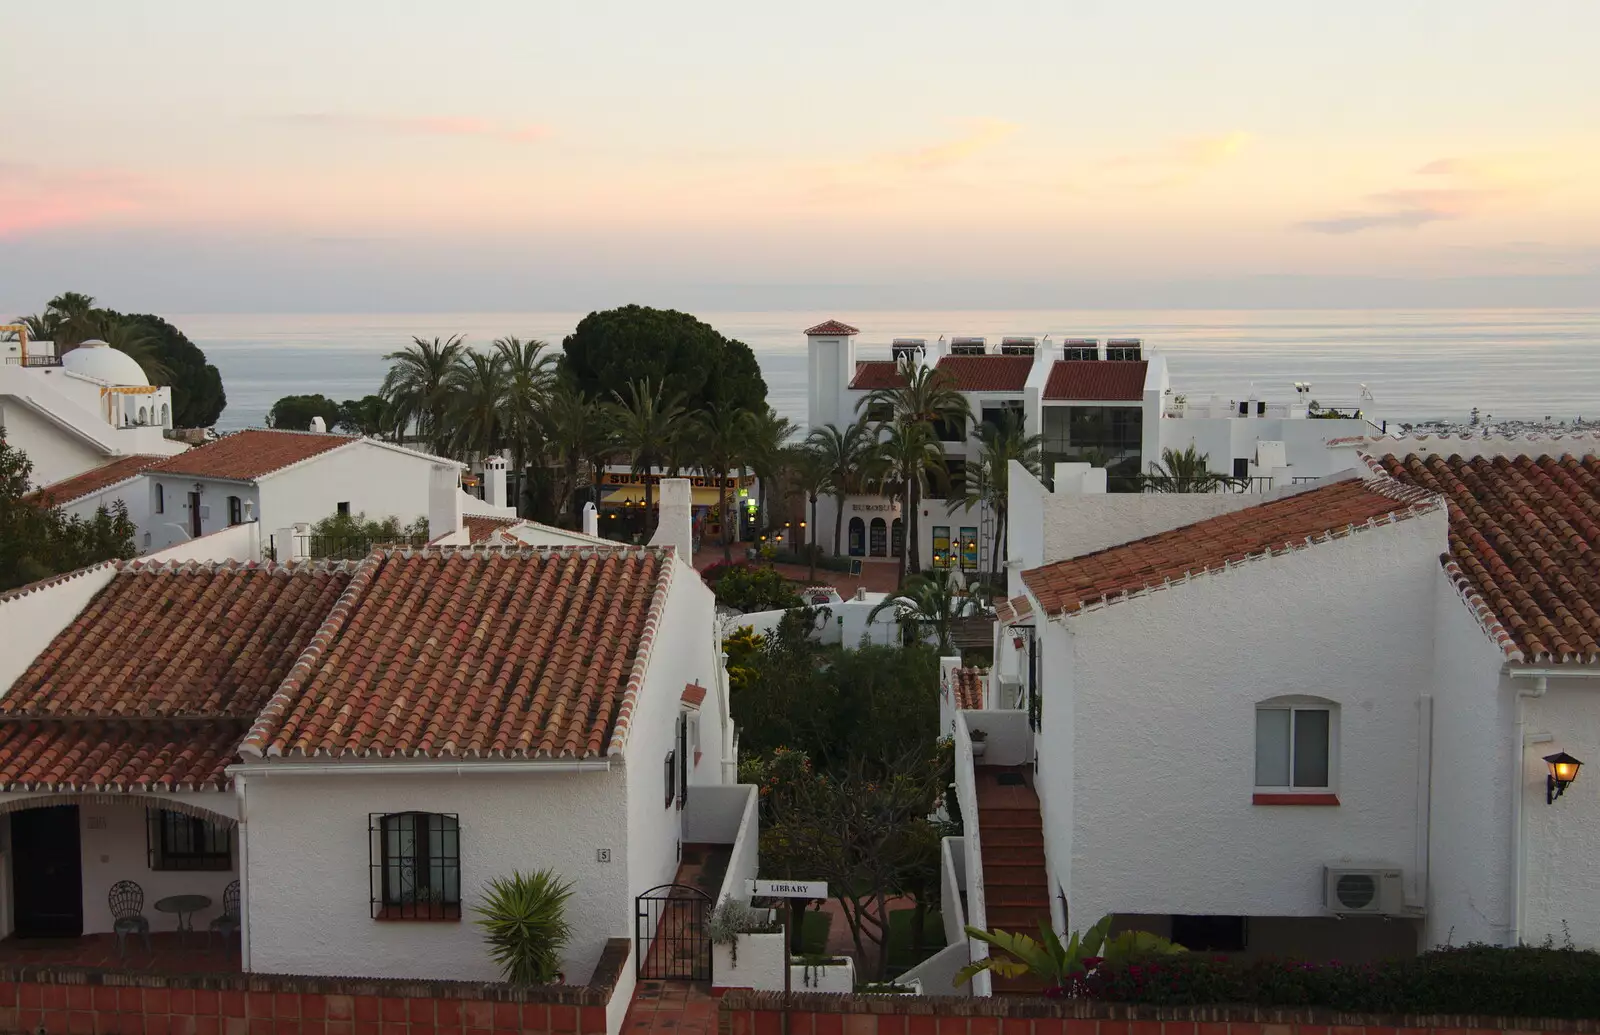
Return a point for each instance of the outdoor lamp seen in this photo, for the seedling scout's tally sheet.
(1563, 770)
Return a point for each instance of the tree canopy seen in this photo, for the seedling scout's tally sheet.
(687, 357)
(38, 540)
(294, 412)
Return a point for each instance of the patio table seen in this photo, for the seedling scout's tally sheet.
(186, 906)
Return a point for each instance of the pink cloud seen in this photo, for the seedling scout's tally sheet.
(424, 125)
(34, 198)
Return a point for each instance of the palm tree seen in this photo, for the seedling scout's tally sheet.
(476, 389)
(900, 466)
(926, 395)
(648, 428)
(1188, 471)
(529, 376)
(989, 478)
(719, 440)
(812, 471)
(931, 602)
(75, 320)
(415, 387)
(765, 435)
(127, 337)
(848, 452)
(577, 436)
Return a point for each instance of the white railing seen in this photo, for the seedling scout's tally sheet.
(967, 798)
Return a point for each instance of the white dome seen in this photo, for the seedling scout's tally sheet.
(96, 359)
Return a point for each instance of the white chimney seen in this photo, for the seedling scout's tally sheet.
(591, 520)
(675, 528)
(494, 481)
(319, 425)
(444, 500)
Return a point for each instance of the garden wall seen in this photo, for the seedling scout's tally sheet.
(95, 1001)
(761, 1013)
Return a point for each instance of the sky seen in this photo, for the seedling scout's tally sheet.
(365, 156)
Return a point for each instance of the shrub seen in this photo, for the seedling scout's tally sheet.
(1477, 979)
(747, 588)
(524, 918)
(827, 562)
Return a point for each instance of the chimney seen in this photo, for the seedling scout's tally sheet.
(444, 500)
(675, 528)
(591, 520)
(494, 481)
(319, 425)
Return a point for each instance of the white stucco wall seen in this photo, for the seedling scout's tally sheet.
(1161, 785)
(54, 452)
(168, 519)
(134, 494)
(1470, 809)
(237, 543)
(31, 620)
(1561, 868)
(309, 867)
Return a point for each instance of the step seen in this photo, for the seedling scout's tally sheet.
(1031, 896)
(1014, 876)
(1017, 919)
(1020, 837)
(1013, 855)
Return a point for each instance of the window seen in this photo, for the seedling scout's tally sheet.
(858, 537)
(1124, 349)
(161, 499)
(941, 546)
(1081, 351)
(1211, 933)
(178, 841)
(1294, 747)
(344, 508)
(235, 510)
(671, 777)
(878, 538)
(955, 480)
(897, 537)
(952, 429)
(1241, 467)
(969, 549)
(880, 412)
(416, 866)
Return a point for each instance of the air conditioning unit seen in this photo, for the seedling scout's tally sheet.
(1350, 891)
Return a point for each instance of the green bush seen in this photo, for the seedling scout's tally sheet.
(826, 562)
(748, 588)
(524, 919)
(1477, 979)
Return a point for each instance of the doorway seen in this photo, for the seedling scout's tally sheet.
(194, 515)
(47, 872)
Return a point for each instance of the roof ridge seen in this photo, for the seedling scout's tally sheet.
(29, 588)
(270, 718)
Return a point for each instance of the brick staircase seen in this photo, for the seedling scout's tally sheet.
(1016, 889)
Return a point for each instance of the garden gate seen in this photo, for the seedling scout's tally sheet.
(671, 935)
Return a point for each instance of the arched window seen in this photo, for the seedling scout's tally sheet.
(878, 539)
(166, 416)
(1297, 745)
(897, 538)
(858, 537)
(144, 415)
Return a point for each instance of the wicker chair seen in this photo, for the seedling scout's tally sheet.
(126, 900)
(226, 924)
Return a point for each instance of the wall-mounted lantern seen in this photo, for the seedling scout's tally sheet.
(1563, 770)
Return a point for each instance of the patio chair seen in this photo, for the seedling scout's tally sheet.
(226, 924)
(126, 900)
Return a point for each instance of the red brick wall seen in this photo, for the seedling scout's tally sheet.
(803, 1022)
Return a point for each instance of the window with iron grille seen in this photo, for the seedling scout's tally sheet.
(672, 777)
(415, 865)
(177, 841)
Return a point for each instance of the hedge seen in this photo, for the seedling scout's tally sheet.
(1476, 979)
(826, 562)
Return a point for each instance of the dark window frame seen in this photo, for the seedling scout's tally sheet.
(235, 511)
(161, 498)
(343, 508)
(178, 841)
(432, 857)
(670, 777)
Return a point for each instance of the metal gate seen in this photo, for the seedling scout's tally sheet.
(672, 942)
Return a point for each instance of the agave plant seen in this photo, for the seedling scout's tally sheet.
(525, 923)
(1058, 963)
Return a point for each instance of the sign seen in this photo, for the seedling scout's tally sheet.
(789, 888)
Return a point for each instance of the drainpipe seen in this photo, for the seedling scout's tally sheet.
(244, 876)
(1541, 684)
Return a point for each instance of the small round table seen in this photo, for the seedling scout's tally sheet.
(186, 906)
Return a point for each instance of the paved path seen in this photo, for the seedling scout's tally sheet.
(679, 1007)
(877, 576)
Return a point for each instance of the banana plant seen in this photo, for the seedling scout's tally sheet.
(1057, 963)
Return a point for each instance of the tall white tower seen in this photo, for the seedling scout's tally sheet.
(831, 353)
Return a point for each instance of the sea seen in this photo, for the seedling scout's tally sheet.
(1539, 365)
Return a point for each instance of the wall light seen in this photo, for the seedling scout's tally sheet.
(1563, 770)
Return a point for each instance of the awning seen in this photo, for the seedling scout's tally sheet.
(634, 494)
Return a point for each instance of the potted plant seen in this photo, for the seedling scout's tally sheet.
(980, 742)
(524, 919)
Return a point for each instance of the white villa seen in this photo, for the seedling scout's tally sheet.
(1312, 721)
(1112, 403)
(79, 411)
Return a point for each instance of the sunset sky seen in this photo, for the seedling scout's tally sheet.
(345, 155)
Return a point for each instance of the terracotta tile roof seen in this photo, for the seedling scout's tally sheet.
(968, 684)
(1524, 536)
(694, 695)
(1016, 609)
(168, 640)
(497, 651)
(832, 327)
(1272, 527)
(481, 526)
(46, 755)
(988, 373)
(872, 374)
(93, 480)
(247, 455)
(1096, 380)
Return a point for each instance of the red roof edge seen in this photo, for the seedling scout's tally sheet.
(830, 328)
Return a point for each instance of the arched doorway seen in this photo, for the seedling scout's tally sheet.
(897, 538)
(858, 537)
(879, 539)
(671, 939)
(47, 872)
